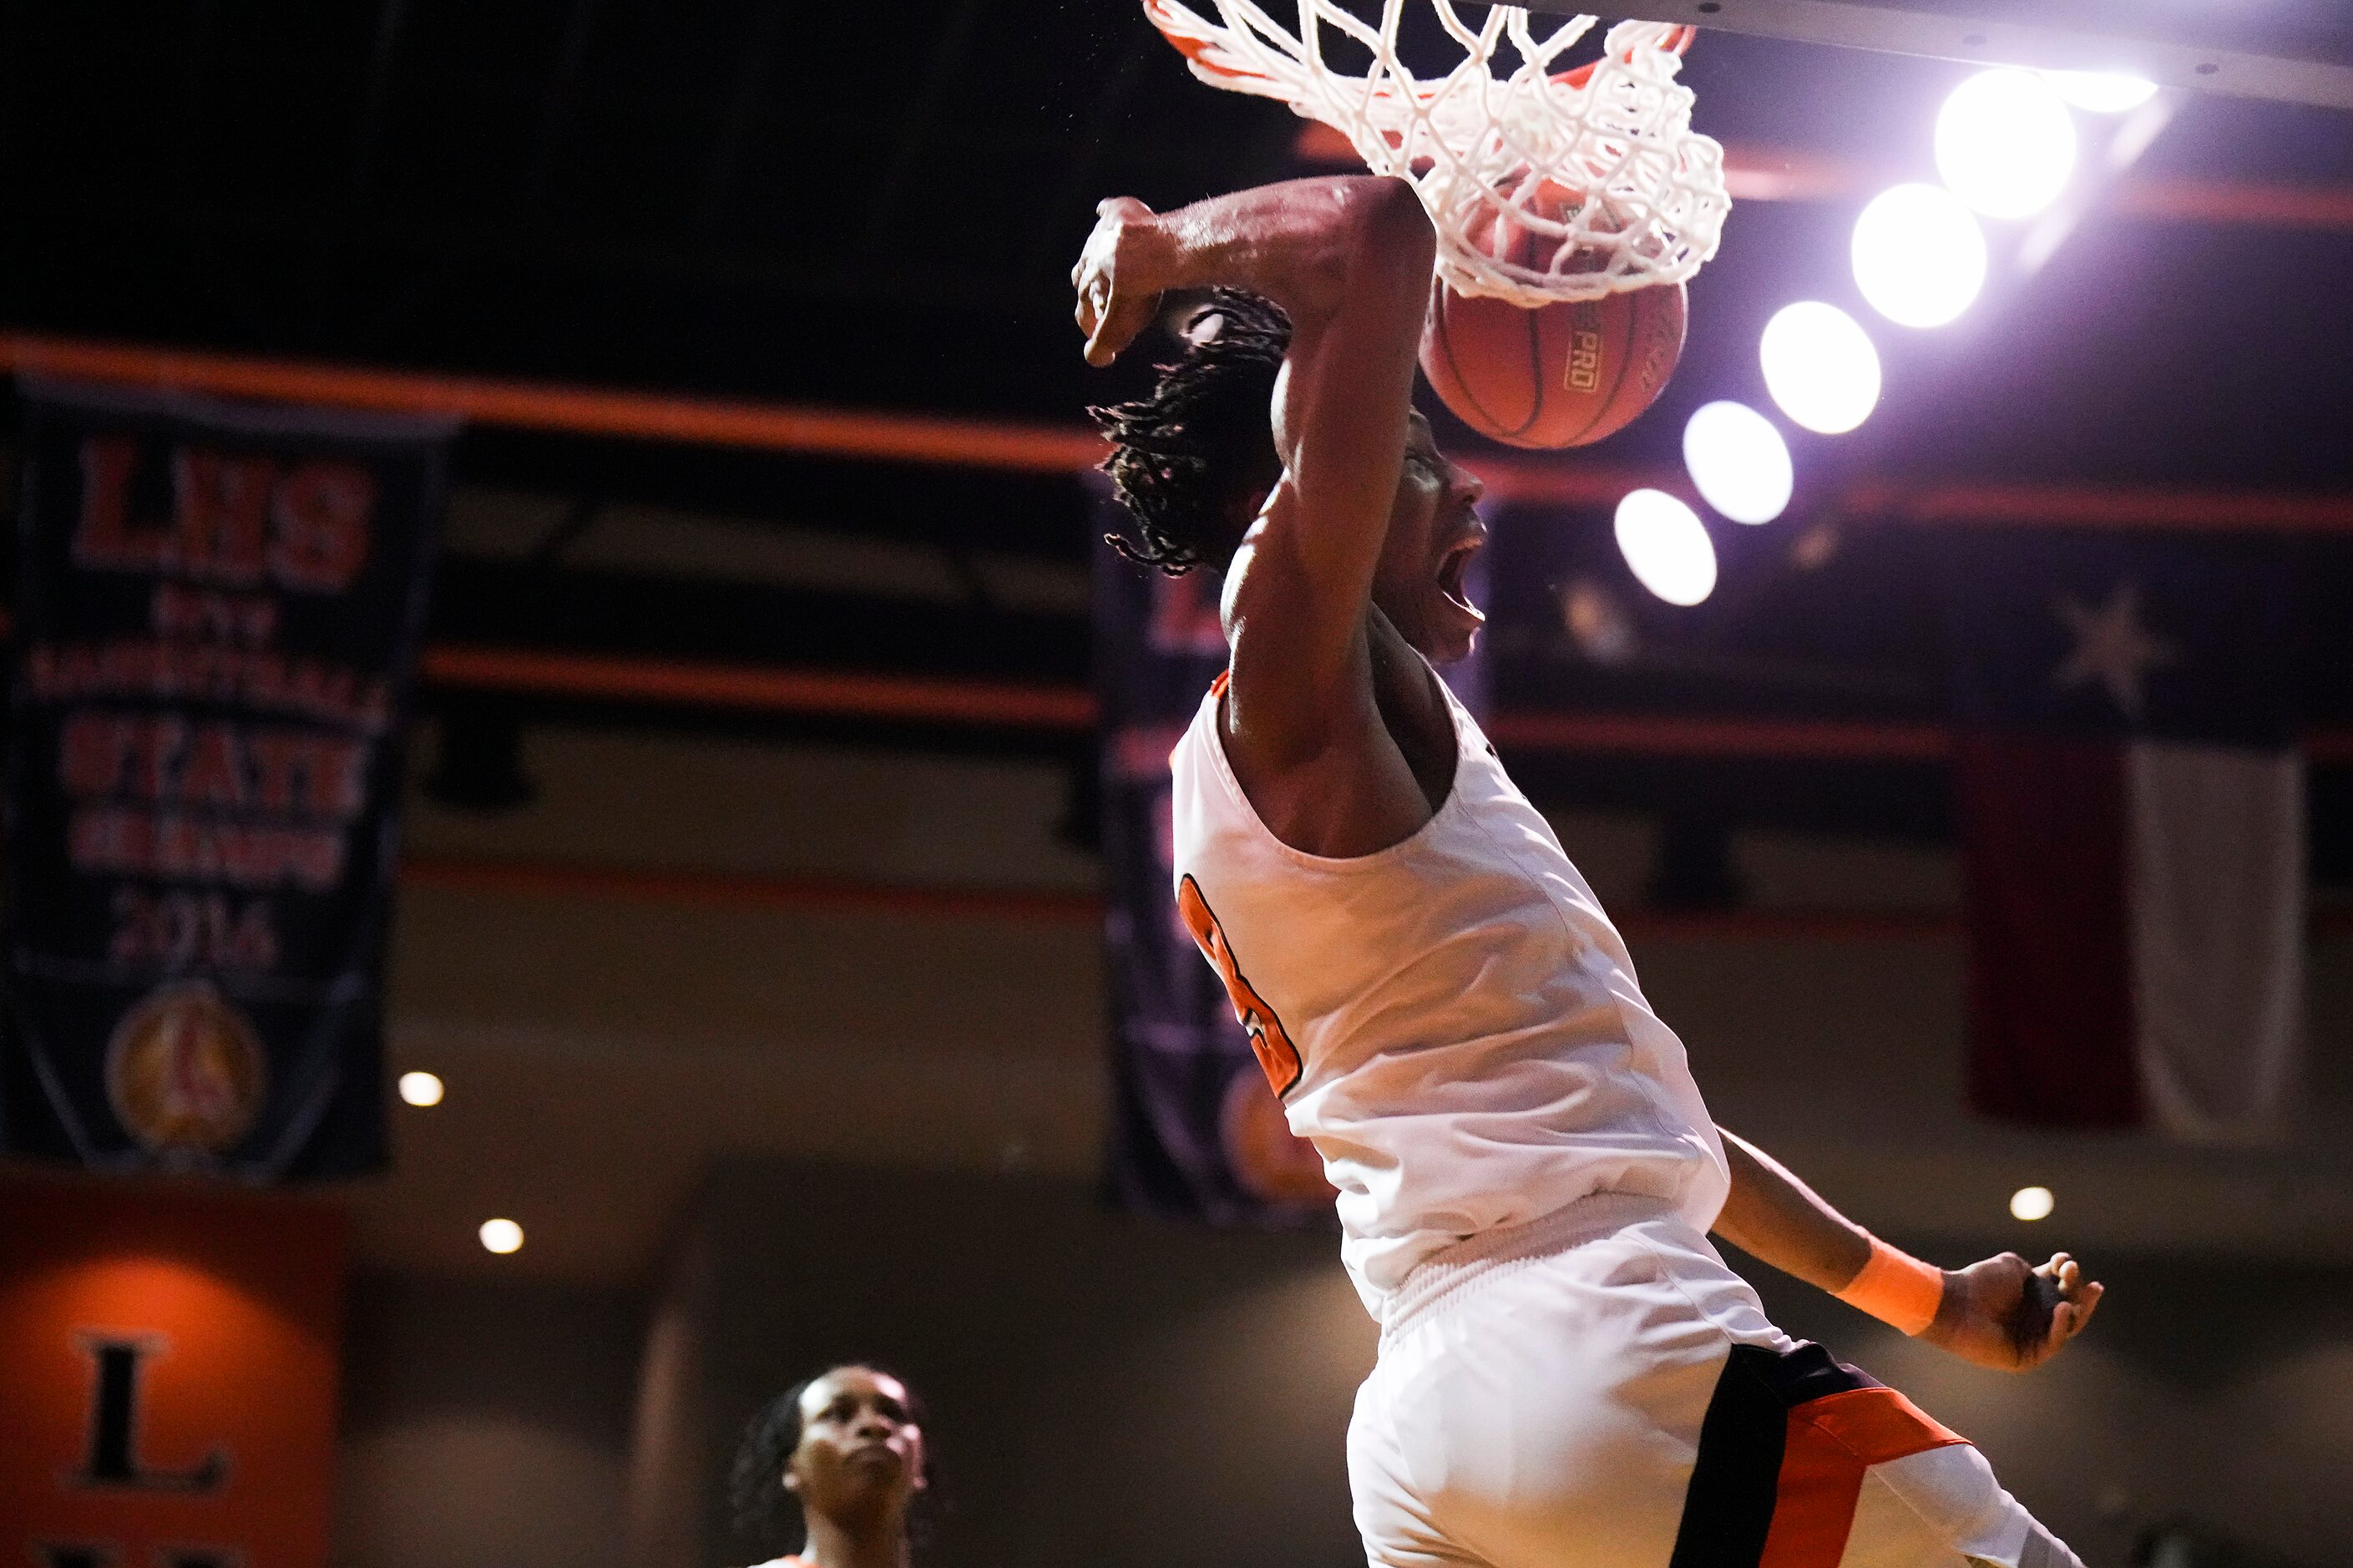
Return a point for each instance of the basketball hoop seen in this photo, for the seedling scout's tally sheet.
(1492, 150)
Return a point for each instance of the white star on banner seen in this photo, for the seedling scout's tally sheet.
(2113, 650)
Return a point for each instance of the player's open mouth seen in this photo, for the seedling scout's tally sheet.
(1451, 569)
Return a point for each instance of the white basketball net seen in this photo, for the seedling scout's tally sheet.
(1482, 143)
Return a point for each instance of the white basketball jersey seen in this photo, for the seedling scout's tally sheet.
(1453, 1021)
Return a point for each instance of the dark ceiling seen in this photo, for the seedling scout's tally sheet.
(871, 204)
(876, 205)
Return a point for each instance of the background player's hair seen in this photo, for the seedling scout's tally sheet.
(763, 1513)
(1187, 461)
(763, 1510)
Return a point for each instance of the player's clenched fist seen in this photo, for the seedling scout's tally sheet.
(1117, 277)
(2003, 1314)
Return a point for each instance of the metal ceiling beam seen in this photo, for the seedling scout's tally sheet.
(899, 698)
(2291, 53)
(761, 689)
(554, 879)
(875, 436)
(1755, 173)
(893, 436)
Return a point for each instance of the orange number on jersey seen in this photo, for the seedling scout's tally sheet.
(1276, 1055)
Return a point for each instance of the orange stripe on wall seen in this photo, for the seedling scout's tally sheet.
(1660, 735)
(1036, 446)
(929, 700)
(624, 884)
(721, 890)
(879, 436)
(757, 688)
(1763, 174)
(2101, 506)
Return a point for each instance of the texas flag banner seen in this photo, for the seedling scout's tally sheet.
(2132, 812)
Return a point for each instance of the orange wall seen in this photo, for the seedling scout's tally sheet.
(224, 1311)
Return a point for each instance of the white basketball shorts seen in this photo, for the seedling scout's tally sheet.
(1596, 1390)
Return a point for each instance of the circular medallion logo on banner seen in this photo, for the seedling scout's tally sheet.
(185, 1072)
(1269, 1161)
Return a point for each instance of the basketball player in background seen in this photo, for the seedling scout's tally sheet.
(1569, 1373)
(847, 1447)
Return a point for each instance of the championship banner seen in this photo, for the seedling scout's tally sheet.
(2132, 805)
(1196, 1131)
(218, 614)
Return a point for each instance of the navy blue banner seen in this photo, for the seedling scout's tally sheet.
(217, 622)
(1196, 1131)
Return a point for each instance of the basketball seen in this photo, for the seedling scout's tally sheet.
(1564, 374)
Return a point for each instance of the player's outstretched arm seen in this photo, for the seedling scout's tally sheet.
(1296, 241)
(1999, 1314)
(1349, 260)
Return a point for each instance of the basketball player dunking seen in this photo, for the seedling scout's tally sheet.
(1569, 1373)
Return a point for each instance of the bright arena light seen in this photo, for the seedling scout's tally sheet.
(2101, 92)
(1667, 546)
(1739, 461)
(420, 1088)
(2032, 1202)
(1919, 256)
(501, 1236)
(2005, 143)
(1819, 366)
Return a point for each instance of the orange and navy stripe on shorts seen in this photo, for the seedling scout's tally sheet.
(1782, 1458)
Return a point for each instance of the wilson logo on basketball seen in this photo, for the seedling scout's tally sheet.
(1584, 372)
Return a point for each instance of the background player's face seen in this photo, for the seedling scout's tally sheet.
(1433, 533)
(860, 1456)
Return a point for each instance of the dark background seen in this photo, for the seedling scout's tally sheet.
(711, 1015)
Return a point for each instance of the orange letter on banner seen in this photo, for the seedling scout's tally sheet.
(104, 537)
(326, 513)
(1276, 1054)
(222, 505)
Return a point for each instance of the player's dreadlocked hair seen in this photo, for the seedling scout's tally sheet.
(765, 1512)
(1185, 459)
